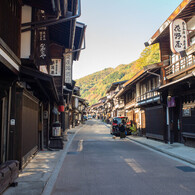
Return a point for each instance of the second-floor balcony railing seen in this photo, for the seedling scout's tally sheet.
(121, 105)
(130, 104)
(179, 66)
(147, 95)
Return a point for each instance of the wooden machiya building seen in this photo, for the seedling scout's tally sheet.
(41, 91)
(142, 103)
(38, 42)
(176, 38)
(10, 63)
(34, 69)
(114, 106)
(79, 106)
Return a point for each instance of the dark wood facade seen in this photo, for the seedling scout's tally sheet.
(10, 20)
(56, 53)
(10, 11)
(143, 105)
(32, 34)
(26, 125)
(177, 88)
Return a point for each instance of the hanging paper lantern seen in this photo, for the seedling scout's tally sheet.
(61, 108)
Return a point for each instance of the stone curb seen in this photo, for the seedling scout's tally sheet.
(49, 177)
(165, 152)
(48, 187)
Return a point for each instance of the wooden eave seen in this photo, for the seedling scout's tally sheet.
(115, 85)
(186, 10)
(44, 81)
(79, 38)
(177, 82)
(9, 58)
(60, 34)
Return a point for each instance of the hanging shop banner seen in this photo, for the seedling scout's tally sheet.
(171, 102)
(68, 68)
(178, 36)
(55, 68)
(76, 102)
(42, 49)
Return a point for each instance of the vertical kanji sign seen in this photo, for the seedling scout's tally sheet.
(42, 49)
(55, 68)
(178, 36)
(68, 68)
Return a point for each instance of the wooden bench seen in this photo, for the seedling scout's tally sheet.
(8, 173)
(188, 135)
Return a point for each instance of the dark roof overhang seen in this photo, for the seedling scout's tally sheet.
(68, 17)
(9, 59)
(68, 88)
(186, 10)
(52, 7)
(177, 82)
(61, 34)
(115, 85)
(79, 38)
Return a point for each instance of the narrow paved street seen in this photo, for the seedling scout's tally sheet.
(98, 164)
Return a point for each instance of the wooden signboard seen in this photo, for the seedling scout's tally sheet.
(178, 36)
(43, 58)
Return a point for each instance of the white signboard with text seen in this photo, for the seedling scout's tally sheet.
(178, 36)
(68, 68)
(55, 68)
(76, 102)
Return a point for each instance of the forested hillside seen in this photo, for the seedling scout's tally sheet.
(94, 86)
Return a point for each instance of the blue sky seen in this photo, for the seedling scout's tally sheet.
(116, 31)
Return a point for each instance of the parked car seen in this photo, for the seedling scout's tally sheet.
(85, 117)
(115, 125)
(89, 116)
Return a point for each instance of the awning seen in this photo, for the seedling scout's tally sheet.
(43, 84)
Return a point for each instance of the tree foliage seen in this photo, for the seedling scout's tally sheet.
(94, 86)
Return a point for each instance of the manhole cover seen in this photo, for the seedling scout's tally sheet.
(73, 153)
(186, 168)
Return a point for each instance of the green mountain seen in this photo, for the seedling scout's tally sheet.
(94, 86)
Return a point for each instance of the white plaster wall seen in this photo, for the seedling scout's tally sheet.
(26, 36)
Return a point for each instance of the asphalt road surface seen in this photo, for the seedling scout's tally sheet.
(98, 164)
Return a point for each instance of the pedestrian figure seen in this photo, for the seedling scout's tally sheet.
(122, 130)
